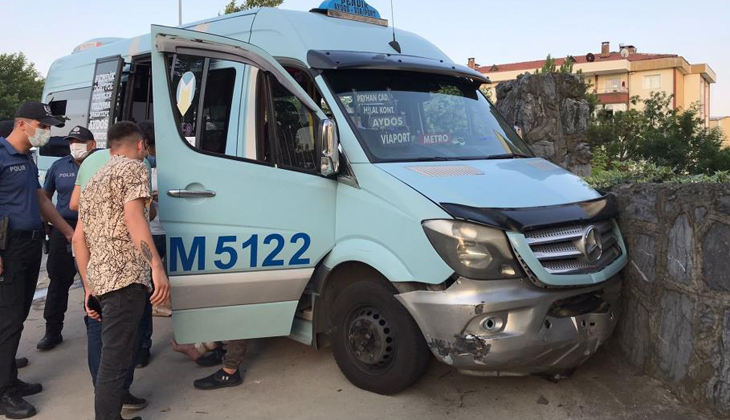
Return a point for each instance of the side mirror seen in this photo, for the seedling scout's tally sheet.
(330, 160)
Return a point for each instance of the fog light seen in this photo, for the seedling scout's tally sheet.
(492, 324)
(507, 270)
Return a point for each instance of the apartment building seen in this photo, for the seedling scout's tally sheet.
(724, 124)
(616, 76)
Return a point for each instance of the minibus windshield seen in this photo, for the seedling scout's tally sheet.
(403, 116)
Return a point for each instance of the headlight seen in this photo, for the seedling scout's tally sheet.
(473, 251)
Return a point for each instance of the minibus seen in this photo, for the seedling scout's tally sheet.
(326, 177)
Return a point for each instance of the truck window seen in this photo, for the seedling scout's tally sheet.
(203, 97)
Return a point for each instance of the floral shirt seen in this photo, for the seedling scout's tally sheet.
(115, 262)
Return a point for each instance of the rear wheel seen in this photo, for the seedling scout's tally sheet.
(377, 344)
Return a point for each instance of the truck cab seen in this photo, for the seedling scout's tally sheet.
(326, 177)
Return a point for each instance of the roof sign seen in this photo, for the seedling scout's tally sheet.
(358, 10)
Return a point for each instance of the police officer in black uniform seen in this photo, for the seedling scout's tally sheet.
(60, 178)
(22, 204)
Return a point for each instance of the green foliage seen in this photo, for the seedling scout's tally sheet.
(548, 67)
(487, 92)
(630, 171)
(661, 136)
(567, 66)
(19, 82)
(232, 7)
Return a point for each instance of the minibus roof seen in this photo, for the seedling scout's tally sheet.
(283, 33)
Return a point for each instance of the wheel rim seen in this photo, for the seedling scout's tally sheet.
(370, 339)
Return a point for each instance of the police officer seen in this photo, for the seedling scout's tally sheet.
(60, 178)
(6, 127)
(22, 204)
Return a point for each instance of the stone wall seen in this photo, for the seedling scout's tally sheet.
(553, 115)
(675, 324)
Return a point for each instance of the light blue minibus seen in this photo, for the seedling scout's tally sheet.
(326, 178)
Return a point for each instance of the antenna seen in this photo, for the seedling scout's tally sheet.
(394, 44)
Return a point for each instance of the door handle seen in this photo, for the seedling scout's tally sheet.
(191, 194)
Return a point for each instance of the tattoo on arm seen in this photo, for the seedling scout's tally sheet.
(146, 252)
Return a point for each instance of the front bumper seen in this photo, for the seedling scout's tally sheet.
(511, 327)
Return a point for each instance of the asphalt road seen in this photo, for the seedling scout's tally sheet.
(287, 380)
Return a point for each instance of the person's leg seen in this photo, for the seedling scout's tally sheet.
(122, 312)
(21, 263)
(230, 374)
(194, 351)
(93, 333)
(142, 357)
(62, 271)
(12, 291)
(236, 349)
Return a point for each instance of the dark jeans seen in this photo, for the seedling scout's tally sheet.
(93, 332)
(122, 312)
(61, 271)
(21, 264)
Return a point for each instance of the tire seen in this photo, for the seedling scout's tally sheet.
(377, 344)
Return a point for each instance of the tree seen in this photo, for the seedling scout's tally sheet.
(19, 82)
(661, 135)
(232, 7)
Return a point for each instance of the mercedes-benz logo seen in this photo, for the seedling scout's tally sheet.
(591, 244)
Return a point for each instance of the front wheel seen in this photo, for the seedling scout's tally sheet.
(377, 344)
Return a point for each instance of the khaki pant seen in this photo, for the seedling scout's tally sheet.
(235, 351)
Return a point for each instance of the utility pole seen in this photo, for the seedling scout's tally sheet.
(180, 12)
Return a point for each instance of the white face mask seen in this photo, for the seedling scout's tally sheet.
(40, 138)
(78, 151)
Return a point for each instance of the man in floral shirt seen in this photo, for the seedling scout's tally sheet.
(114, 252)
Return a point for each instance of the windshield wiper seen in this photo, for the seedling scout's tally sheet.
(508, 156)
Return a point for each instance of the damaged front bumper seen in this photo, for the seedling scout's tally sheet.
(511, 327)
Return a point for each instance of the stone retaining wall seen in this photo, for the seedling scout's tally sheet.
(675, 324)
(553, 114)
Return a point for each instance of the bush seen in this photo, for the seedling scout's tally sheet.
(660, 136)
(630, 171)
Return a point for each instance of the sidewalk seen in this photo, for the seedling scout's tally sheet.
(287, 380)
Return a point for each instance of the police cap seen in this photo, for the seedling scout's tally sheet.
(80, 133)
(38, 111)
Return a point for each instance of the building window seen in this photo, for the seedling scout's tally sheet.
(613, 85)
(653, 81)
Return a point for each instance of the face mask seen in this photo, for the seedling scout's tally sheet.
(78, 151)
(40, 138)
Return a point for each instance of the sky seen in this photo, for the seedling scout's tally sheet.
(492, 31)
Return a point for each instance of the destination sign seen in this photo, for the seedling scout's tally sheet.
(104, 97)
(358, 10)
(353, 7)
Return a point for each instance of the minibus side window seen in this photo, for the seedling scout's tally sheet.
(141, 106)
(194, 79)
(294, 129)
(72, 104)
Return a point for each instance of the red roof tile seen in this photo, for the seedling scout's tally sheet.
(531, 65)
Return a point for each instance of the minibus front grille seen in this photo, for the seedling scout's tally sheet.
(562, 250)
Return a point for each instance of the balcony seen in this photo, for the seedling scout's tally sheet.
(620, 89)
(613, 96)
